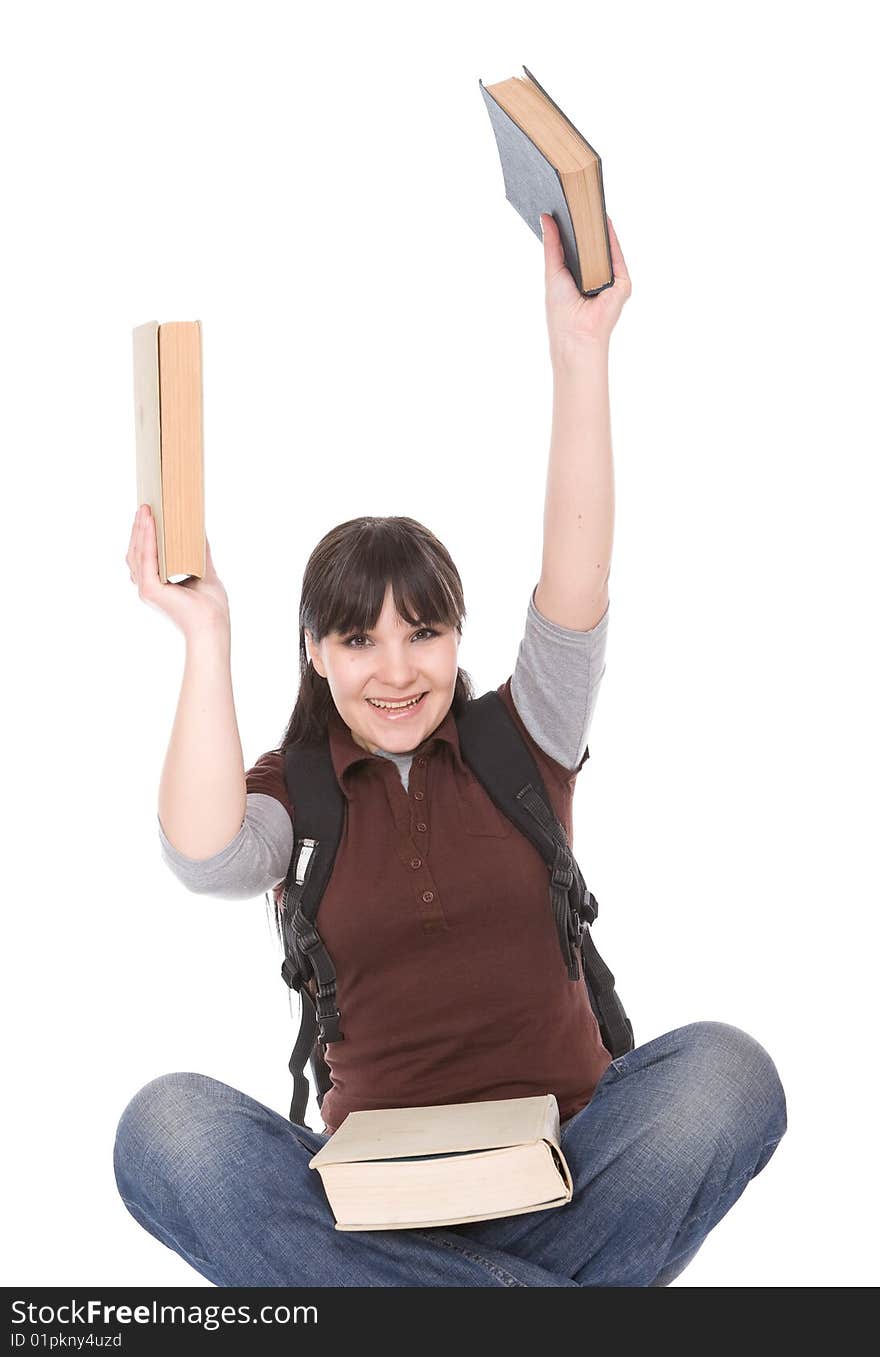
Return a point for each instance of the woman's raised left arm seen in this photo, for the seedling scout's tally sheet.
(579, 502)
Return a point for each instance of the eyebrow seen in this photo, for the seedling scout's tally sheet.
(362, 631)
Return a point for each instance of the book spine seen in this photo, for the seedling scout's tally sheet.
(595, 291)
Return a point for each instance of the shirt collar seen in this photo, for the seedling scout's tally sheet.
(346, 753)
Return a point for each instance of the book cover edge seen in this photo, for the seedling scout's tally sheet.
(547, 1101)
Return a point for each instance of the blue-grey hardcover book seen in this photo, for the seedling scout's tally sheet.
(564, 179)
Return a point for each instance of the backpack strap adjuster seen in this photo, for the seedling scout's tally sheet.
(562, 875)
(307, 938)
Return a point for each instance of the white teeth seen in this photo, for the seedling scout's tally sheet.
(394, 706)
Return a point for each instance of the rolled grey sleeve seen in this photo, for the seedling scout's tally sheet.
(251, 864)
(556, 681)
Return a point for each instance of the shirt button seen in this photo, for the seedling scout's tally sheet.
(427, 896)
(422, 762)
(415, 862)
(421, 825)
(419, 796)
(429, 925)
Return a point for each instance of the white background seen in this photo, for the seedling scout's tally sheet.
(323, 191)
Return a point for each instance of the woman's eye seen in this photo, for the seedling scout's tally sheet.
(424, 631)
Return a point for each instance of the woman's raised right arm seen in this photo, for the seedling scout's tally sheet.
(217, 837)
(202, 793)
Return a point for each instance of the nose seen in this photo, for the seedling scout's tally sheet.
(398, 672)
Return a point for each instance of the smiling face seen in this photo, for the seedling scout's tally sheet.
(393, 662)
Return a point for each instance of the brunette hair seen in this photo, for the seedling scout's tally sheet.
(343, 591)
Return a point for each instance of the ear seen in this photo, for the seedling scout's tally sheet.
(313, 653)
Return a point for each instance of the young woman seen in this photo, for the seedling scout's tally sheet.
(450, 978)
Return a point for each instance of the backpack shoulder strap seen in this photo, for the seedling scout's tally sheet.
(318, 819)
(495, 750)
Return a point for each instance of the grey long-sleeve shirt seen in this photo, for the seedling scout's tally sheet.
(554, 687)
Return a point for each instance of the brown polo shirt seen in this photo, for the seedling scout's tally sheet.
(450, 980)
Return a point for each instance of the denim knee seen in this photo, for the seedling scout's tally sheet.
(745, 1073)
(153, 1124)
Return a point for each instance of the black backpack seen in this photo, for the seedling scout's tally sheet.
(494, 750)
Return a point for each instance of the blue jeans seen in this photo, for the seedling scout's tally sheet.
(673, 1133)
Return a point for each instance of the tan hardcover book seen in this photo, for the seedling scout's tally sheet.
(169, 441)
(548, 166)
(405, 1167)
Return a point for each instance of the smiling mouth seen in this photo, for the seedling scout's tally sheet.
(406, 705)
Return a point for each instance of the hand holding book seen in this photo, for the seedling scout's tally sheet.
(194, 605)
(574, 320)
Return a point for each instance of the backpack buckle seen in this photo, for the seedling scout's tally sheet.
(328, 1026)
(577, 927)
(590, 907)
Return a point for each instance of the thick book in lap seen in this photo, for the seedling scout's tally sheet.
(406, 1167)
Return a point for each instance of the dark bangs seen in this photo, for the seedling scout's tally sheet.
(349, 587)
